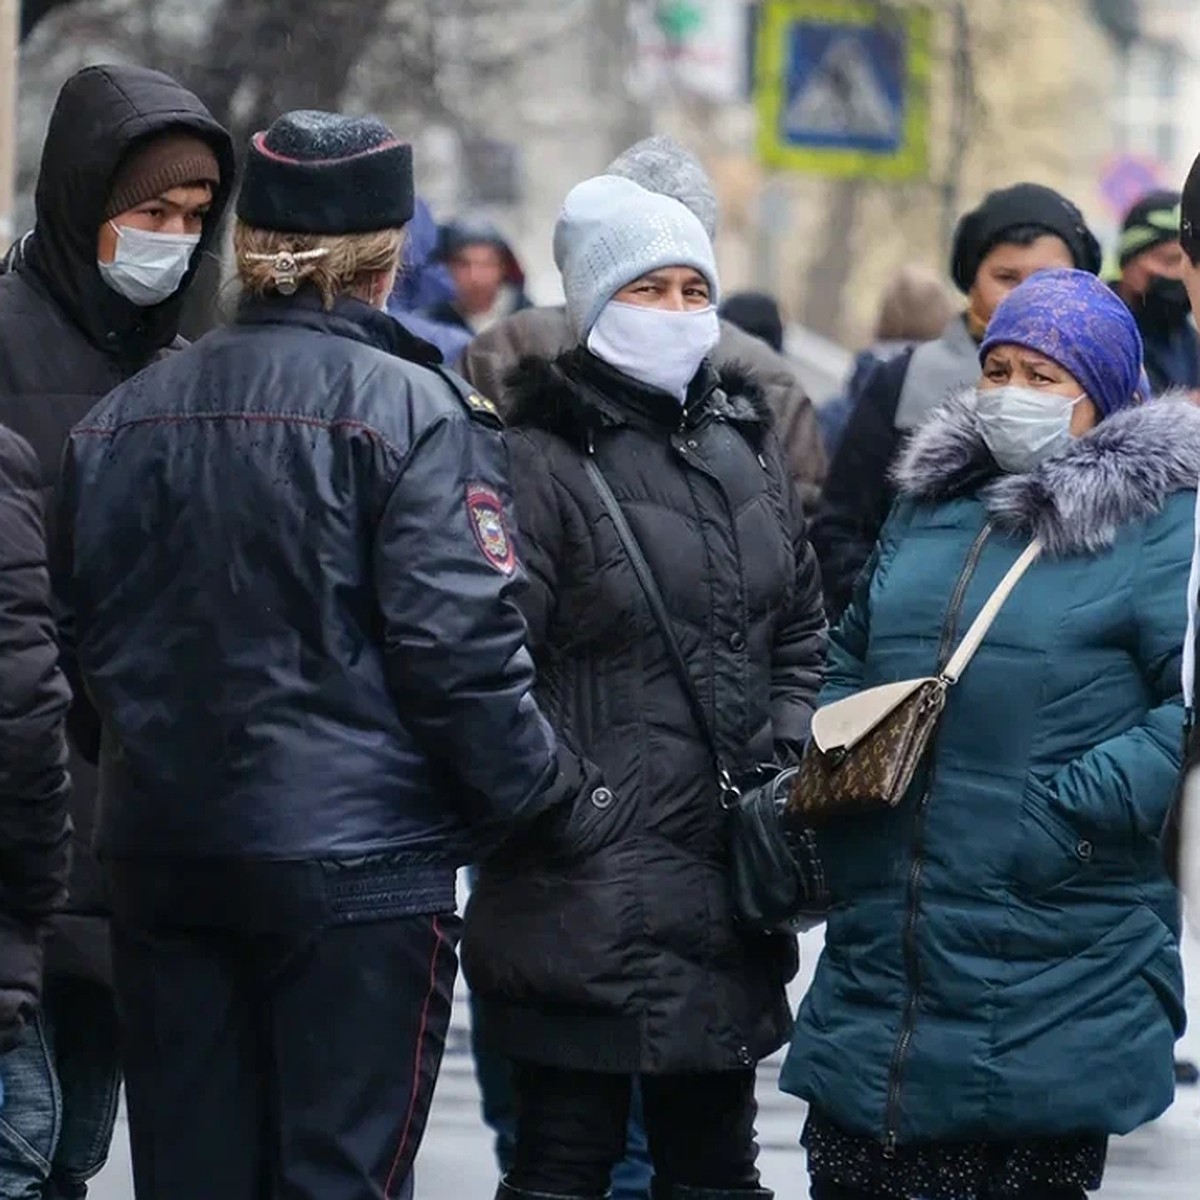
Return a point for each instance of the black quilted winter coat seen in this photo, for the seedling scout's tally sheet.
(632, 960)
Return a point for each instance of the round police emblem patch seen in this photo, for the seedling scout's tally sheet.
(486, 511)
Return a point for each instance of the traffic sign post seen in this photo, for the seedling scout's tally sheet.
(842, 88)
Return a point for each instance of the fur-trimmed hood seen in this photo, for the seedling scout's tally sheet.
(576, 395)
(1077, 502)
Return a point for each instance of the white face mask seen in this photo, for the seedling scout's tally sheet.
(1023, 426)
(148, 267)
(661, 349)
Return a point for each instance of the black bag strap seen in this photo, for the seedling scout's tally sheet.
(649, 585)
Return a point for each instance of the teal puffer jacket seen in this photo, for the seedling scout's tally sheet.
(1002, 954)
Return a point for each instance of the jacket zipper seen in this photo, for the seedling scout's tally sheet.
(911, 962)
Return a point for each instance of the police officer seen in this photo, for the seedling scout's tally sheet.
(292, 573)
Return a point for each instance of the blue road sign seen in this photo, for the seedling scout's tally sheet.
(842, 88)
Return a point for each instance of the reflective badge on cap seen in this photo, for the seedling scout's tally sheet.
(486, 510)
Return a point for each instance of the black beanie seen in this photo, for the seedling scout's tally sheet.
(1022, 205)
(1152, 221)
(324, 173)
(756, 313)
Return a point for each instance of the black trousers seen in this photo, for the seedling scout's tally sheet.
(571, 1129)
(296, 1064)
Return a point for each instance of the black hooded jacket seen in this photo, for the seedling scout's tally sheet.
(632, 960)
(67, 339)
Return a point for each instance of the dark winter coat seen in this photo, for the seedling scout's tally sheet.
(632, 961)
(34, 830)
(291, 592)
(67, 339)
(423, 283)
(1002, 958)
(544, 333)
(859, 491)
(1171, 351)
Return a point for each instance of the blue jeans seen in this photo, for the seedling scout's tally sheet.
(61, 1084)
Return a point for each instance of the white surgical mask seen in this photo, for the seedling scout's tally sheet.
(148, 267)
(1023, 426)
(660, 348)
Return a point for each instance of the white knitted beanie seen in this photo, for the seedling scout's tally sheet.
(611, 232)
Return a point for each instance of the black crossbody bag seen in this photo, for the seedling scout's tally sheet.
(775, 877)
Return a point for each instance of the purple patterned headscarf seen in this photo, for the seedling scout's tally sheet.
(1083, 325)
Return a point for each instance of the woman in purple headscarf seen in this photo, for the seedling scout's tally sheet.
(1001, 988)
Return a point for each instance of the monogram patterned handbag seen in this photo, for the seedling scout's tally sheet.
(865, 749)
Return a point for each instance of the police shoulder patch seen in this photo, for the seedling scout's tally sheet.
(490, 527)
(482, 404)
(478, 405)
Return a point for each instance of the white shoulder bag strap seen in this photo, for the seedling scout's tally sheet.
(1193, 604)
(988, 614)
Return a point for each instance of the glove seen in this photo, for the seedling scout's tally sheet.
(583, 817)
(21, 978)
(16, 1007)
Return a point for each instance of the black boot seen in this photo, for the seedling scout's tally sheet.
(507, 1192)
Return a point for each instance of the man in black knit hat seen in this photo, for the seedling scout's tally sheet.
(292, 576)
(1151, 262)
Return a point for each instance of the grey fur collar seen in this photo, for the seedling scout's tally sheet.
(1121, 472)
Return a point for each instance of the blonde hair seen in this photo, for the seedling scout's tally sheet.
(916, 307)
(335, 264)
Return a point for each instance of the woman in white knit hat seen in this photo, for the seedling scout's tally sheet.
(630, 963)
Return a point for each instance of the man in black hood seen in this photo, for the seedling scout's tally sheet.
(134, 176)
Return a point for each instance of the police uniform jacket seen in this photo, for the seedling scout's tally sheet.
(291, 568)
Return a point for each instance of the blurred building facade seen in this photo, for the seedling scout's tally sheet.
(510, 102)
(1055, 91)
(1092, 97)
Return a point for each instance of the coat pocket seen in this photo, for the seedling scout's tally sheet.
(596, 820)
(1049, 852)
(1164, 975)
(569, 833)
(554, 934)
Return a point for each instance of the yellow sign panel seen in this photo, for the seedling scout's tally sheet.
(842, 88)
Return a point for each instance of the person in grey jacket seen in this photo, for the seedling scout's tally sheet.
(1014, 233)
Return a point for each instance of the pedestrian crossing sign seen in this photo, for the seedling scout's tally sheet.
(842, 87)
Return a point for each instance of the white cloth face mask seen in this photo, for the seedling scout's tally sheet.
(148, 267)
(1023, 426)
(660, 348)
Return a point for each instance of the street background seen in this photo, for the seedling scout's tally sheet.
(838, 156)
(1159, 1162)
